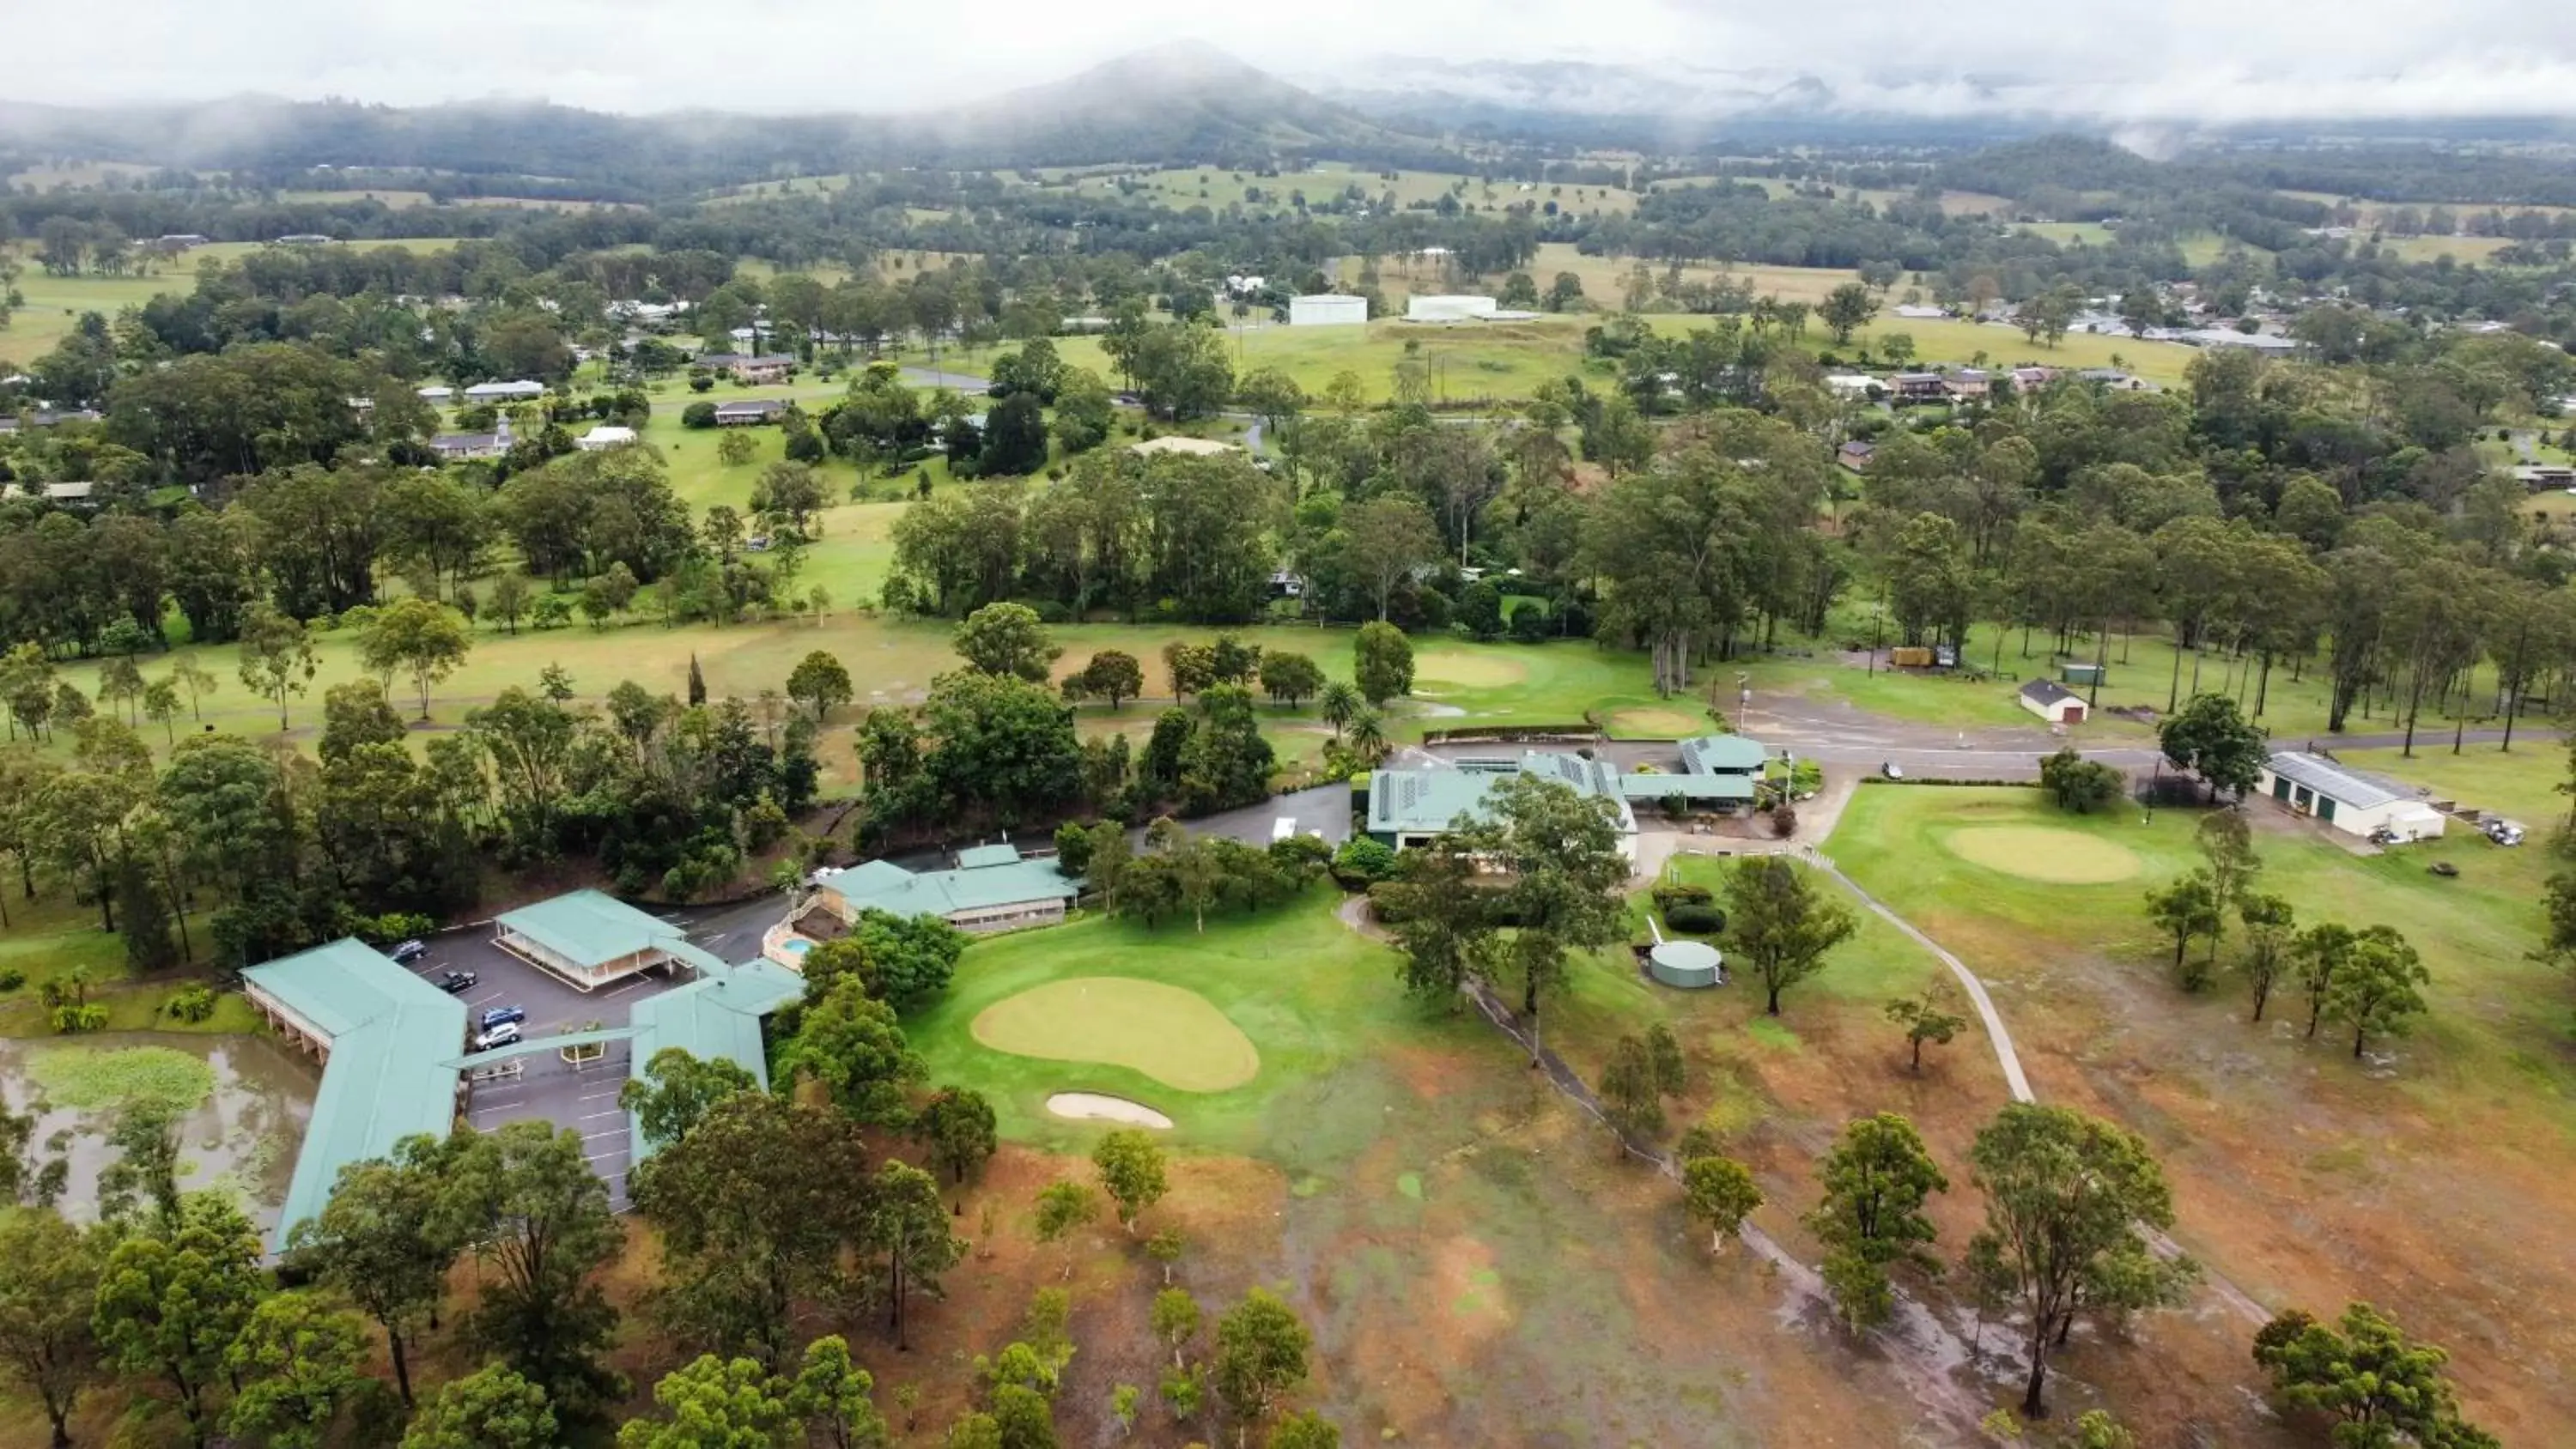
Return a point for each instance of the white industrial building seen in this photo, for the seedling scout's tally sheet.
(1448, 309)
(1327, 309)
(2345, 798)
(603, 437)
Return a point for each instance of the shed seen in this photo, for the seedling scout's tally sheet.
(605, 435)
(2350, 800)
(2084, 674)
(2053, 702)
(1686, 964)
(1327, 309)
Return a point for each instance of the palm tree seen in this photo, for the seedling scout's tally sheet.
(1368, 735)
(1339, 702)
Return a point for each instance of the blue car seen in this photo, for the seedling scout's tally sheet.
(504, 1016)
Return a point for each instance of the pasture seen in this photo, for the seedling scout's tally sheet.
(1216, 187)
(1467, 362)
(54, 304)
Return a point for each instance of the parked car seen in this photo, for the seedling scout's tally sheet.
(2443, 868)
(504, 1016)
(453, 982)
(1892, 770)
(2504, 832)
(408, 952)
(506, 1034)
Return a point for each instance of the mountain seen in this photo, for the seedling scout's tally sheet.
(1182, 102)
(1179, 104)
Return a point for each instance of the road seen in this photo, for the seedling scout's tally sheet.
(958, 382)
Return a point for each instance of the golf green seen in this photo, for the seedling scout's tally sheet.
(1169, 1033)
(2041, 853)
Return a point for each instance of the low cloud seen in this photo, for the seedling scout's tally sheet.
(2179, 61)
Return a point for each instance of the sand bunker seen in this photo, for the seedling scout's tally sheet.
(1093, 1107)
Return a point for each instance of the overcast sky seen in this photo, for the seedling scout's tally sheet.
(2164, 59)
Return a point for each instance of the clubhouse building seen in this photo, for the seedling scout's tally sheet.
(1406, 808)
(992, 888)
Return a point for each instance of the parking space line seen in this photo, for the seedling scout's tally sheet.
(595, 1116)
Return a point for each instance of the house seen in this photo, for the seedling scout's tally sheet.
(2031, 379)
(1918, 312)
(1970, 382)
(1406, 808)
(605, 435)
(750, 412)
(452, 447)
(591, 939)
(501, 392)
(2540, 477)
(2053, 702)
(1285, 584)
(1720, 772)
(749, 367)
(1855, 455)
(70, 493)
(1327, 309)
(2347, 799)
(436, 396)
(1850, 384)
(992, 888)
(177, 241)
(1919, 387)
(2114, 379)
(306, 239)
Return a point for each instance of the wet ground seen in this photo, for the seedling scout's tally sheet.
(240, 1132)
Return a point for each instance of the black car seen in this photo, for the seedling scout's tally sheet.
(504, 1016)
(452, 982)
(409, 951)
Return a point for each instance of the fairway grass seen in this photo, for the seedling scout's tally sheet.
(1476, 671)
(1655, 724)
(1168, 1033)
(2036, 852)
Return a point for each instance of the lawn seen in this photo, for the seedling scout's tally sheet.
(2430, 1177)
(1169, 1033)
(1270, 1005)
(1498, 361)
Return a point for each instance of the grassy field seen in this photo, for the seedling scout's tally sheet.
(1961, 342)
(54, 304)
(2090, 233)
(2430, 1177)
(1502, 361)
(1477, 1265)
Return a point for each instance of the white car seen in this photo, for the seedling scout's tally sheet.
(506, 1034)
(1892, 770)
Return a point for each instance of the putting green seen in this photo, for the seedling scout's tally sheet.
(1475, 671)
(2040, 852)
(1173, 1035)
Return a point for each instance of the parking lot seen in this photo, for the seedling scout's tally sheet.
(546, 1088)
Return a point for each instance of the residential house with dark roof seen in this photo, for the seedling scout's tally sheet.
(1855, 455)
(750, 412)
(750, 367)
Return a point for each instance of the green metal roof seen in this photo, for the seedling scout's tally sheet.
(979, 857)
(881, 885)
(717, 1015)
(1689, 787)
(1429, 801)
(593, 928)
(1731, 754)
(392, 1037)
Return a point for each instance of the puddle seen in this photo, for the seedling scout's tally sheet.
(1094, 1107)
(245, 1102)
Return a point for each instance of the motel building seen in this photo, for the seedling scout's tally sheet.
(590, 940)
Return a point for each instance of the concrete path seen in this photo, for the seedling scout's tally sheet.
(1996, 1032)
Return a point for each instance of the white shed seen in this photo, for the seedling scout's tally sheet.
(2345, 798)
(605, 435)
(1447, 308)
(1327, 309)
(2053, 702)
